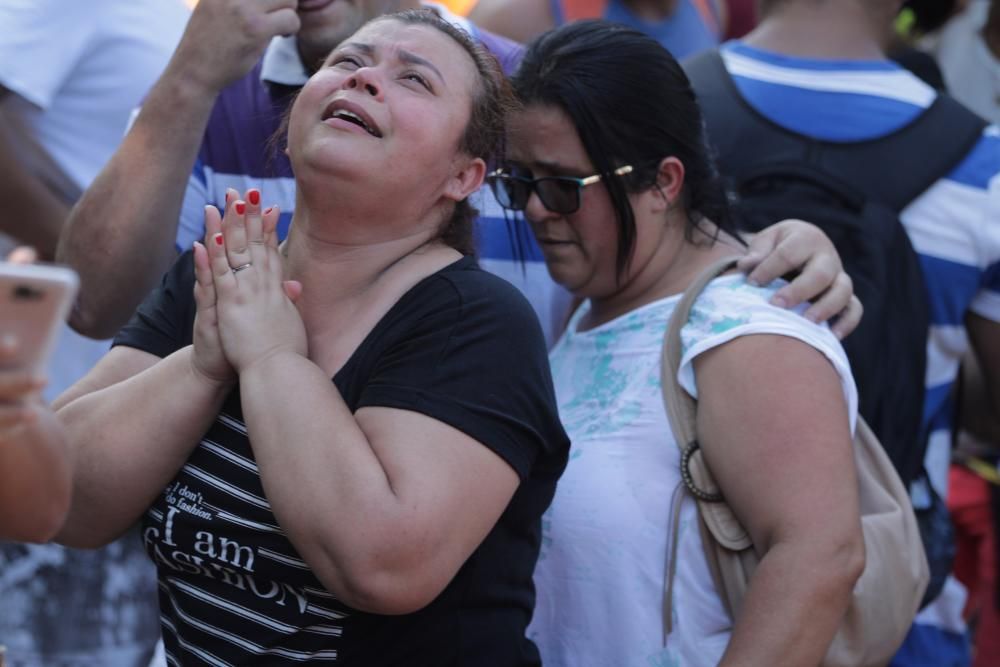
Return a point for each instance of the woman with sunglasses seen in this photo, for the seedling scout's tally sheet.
(607, 162)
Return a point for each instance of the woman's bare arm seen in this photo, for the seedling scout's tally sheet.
(131, 423)
(426, 494)
(774, 427)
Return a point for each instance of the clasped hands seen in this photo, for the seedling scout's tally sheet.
(245, 308)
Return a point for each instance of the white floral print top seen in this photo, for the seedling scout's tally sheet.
(601, 570)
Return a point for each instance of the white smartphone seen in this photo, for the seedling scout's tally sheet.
(34, 301)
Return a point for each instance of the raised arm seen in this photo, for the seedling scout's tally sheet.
(34, 463)
(774, 427)
(429, 493)
(33, 214)
(137, 196)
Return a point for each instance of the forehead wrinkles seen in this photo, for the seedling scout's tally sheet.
(427, 42)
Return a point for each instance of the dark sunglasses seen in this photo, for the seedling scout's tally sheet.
(559, 194)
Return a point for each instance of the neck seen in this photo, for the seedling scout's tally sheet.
(339, 272)
(668, 271)
(828, 30)
(347, 289)
(345, 261)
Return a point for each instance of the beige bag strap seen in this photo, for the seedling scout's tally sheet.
(681, 414)
(679, 404)
(676, 502)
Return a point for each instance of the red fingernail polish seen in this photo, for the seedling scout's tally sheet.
(218, 239)
(240, 208)
(254, 197)
(227, 197)
(268, 210)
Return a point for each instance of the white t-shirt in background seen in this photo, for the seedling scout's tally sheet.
(76, 71)
(971, 71)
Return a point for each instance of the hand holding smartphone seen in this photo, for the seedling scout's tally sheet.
(34, 301)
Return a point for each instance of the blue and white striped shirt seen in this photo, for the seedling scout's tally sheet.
(954, 227)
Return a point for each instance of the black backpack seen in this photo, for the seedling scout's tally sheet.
(855, 192)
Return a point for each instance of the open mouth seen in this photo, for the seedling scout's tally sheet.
(553, 242)
(313, 5)
(353, 114)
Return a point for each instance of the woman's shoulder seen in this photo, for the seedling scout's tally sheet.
(731, 304)
(730, 307)
(467, 286)
(473, 282)
(463, 299)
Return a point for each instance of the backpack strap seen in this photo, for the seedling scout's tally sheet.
(681, 414)
(905, 163)
(929, 147)
(730, 121)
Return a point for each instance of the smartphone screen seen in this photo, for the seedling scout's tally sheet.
(34, 301)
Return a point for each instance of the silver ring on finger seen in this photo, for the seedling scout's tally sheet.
(237, 269)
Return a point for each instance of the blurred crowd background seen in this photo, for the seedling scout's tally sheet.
(72, 75)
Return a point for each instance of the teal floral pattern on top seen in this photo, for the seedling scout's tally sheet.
(710, 318)
(603, 374)
(603, 370)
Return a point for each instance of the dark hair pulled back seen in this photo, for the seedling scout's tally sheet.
(630, 103)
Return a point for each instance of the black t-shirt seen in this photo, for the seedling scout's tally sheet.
(462, 346)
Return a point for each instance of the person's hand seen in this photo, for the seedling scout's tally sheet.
(20, 392)
(22, 255)
(797, 246)
(256, 311)
(209, 359)
(224, 38)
